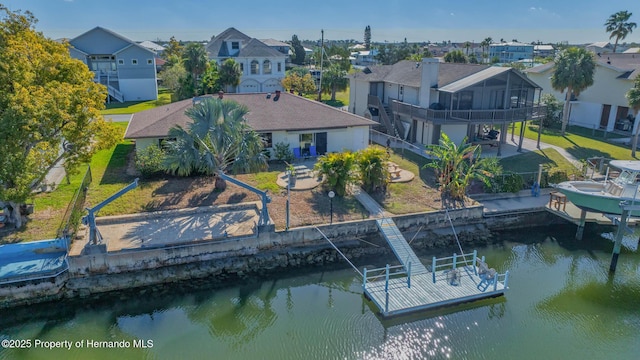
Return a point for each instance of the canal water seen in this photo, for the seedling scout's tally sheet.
(562, 304)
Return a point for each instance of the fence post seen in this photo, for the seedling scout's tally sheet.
(364, 279)
(455, 258)
(475, 258)
(409, 276)
(386, 303)
(433, 269)
(495, 282)
(506, 279)
(386, 284)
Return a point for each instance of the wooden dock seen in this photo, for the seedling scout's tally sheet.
(411, 287)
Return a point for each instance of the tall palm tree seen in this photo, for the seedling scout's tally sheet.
(485, 45)
(334, 79)
(195, 62)
(218, 140)
(229, 74)
(467, 46)
(573, 71)
(633, 97)
(618, 25)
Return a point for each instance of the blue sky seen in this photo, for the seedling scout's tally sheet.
(390, 20)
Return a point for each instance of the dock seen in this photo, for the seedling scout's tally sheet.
(411, 286)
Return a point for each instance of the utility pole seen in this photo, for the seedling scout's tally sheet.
(321, 63)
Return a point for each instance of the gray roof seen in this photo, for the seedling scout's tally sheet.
(406, 73)
(250, 47)
(100, 28)
(274, 42)
(627, 64)
(290, 112)
(151, 45)
(481, 76)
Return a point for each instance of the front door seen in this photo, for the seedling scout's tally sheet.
(604, 120)
(321, 143)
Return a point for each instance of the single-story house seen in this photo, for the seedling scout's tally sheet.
(603, 105)
(279, 118)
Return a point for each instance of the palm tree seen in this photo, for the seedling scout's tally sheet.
(573, 71)
(467, 46)
(195, 62)
(219, 139)
(457, 165)
(334, 79)
(455, 56)
(485, 44)
(229, 74)
(617, 25)
(633, 96)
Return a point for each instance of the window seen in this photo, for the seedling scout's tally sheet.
(134, 61)
(120, 61)
(266, 67)
(267, 138)
(149, 61)
(235, 45)
(466, 100)
(242, 67)
(279, 67)
(255, 67)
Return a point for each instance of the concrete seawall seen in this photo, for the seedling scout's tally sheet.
(89, 275)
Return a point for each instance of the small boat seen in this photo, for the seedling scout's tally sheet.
(605, 196)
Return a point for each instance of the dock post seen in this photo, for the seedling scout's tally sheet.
(495, 282)
(622, 225)
(506, 279)
(433, 269)
(475, 260)
(386, 303)
(454, 260)
(583, 219)
(386, 283)
(409, 276)
(364, 279)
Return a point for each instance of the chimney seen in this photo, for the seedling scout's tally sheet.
(220, 94)
(428, 79)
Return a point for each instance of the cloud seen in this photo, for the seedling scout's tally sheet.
(452, 14)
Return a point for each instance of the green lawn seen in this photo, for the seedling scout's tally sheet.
(528, 162)
(342, 98)
(132, 107)
(581, 145)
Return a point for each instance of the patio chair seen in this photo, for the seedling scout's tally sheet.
(296, 153)
(312, 151)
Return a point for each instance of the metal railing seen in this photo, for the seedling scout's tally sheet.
(386, 273)
(73, 213)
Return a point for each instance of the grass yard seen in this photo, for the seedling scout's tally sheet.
(132, 107)
(528, 162)
(342, 98)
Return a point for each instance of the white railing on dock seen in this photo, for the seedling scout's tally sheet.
(386, 273)
(452, 262)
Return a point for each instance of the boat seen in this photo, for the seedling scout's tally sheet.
(605, 196)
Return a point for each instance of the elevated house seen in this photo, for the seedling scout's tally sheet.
(511, 52)
(308, 127)
(603, 105)
(418, 101)
(126, 68)
(262, 66)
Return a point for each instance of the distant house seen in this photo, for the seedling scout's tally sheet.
(602, 105)
(263, 67)
(364, 57)
(277, 45)
(287, 118)
(126, 68)
(633, 50)
(418, 101)
(511, 52)
(544, 51)
(158, 49)
(600, 47)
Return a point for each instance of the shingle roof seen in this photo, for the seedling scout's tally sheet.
(250, 48)
(481, 76)
(215, 48)
(151, 45)
(290, 112)
(100, 28)
(406, 73)
(627, 64)
(274, 42)
(256, 48)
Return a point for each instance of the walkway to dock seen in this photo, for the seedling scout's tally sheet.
(400, 247)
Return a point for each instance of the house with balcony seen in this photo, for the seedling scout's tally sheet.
(603, 105)
(511, 52)
(417, 101)
(262, 66)
(126, 68)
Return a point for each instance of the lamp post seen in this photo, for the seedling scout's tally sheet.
(331, 196)
(288, 196)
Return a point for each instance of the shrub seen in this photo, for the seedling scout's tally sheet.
(282, 152)
(372, 168)
(512, 183)
(557, 177)
(149, 161)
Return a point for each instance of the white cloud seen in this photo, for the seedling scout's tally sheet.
(452, 14)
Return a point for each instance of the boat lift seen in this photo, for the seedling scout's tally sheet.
(95, 243)
(264, 223)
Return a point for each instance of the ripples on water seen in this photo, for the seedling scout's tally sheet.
(562, 304)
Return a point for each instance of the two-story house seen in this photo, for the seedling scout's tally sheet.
(418, 101)
(603, 105)
(263, 67)
(127, 69)
(511, 52)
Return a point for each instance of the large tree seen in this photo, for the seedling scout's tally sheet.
(195, 62)
(49, 110)
(367, 38)
(173, 52)
(298, 51)
(455, 56)
(218, 140)
(573, 71)
(633, 97)
(618, 26)
(334, 79)
(298, 84)
(229, 74)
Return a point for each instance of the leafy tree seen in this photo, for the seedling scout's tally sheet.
(339, 55)
(455, 56)
(298, 70)
(467, 46)
(149, 161)
(300, 85)
(553, 110)
(218, 140)
(573, 71)
(49, 110)
(372, 168)
(195, 62)
(229, 74)
(338, 170)
(473, 59)
(298, 51)
(633, 97)
(210, 82)
(173, 77)
(173, 50)
(456, 165)
(334, 79)
(618, 26)
(389, 54)
(367, 37)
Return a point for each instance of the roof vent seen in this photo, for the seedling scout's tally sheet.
(275, 98)
(268, 96)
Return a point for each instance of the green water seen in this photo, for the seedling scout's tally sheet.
(562, 304)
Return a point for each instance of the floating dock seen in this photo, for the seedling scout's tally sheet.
(412, 287)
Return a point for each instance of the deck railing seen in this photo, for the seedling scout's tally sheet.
(386, 273)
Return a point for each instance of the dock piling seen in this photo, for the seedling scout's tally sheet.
(618, 244)
(583, 219)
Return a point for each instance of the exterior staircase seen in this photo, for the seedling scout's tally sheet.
(115, 93)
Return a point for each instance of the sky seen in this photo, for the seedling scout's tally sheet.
(548, 21)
